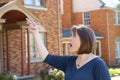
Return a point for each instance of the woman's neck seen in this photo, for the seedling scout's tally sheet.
(83, 59)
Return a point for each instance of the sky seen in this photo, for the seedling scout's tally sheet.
(111, 3)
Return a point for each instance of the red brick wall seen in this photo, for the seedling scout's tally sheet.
(67, 16)
(99, 24)
(100, 17)
(114, 33)
(77, 18)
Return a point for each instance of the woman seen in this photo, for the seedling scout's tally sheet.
(85, 66)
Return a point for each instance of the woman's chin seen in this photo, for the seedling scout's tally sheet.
(71, 51)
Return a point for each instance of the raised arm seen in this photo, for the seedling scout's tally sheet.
(41, 47)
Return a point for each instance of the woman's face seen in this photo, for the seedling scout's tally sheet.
(74, 43)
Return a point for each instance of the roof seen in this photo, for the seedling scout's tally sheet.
(66, 34)
(110, 3)
(2, 4)
(98, 35)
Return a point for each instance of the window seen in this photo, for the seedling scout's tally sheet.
(117, 49)
(37, 3)
(117, 17)
(66, 50)
(34, 55)
(86, 18)
(98, 50)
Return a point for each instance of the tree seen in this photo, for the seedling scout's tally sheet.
(118, 7)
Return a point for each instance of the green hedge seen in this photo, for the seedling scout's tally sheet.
(6, 76)
(114, 71)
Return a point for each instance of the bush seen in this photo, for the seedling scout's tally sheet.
(52, 74)
(6, 76)
(114, 71)
(55, 74)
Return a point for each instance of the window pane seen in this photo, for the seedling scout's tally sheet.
(97, 50)
(86, 18)
(38, 3)
(34, 2)
(66, 50)
(34, 54)
(29, 2)
(119, 50)
(115, 20)
(116, 50)
(118, 17)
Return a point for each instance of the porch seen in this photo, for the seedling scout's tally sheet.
(15, 54)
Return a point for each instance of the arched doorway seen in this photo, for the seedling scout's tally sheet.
(13, 28)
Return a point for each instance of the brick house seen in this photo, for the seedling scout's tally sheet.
(104, 20)
(18, 53)
(17, 46)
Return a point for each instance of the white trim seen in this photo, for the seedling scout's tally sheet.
(99, 44)
(116, 17)
(66, 49)
(117, 46)
(36, 7)
(99, 37)
(86, 18)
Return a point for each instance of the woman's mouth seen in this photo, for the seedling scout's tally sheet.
(70, 45)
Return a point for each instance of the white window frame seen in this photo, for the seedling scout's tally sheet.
(116, 17)
(117, 47)
(99, 44)
(65, 49)
(38, 57)
(35, 6)
(86, 18)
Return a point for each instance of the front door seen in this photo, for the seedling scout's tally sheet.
(1, 53)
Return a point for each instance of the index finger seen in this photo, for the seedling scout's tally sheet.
(29, 20)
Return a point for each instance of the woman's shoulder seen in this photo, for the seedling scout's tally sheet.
(98, 61)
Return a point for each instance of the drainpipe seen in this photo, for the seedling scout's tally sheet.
(108, 34)
(59, 25)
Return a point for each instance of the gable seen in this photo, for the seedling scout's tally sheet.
(86, 5)
(15, 6)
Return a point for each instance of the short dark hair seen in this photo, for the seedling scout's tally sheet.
(87, 38)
